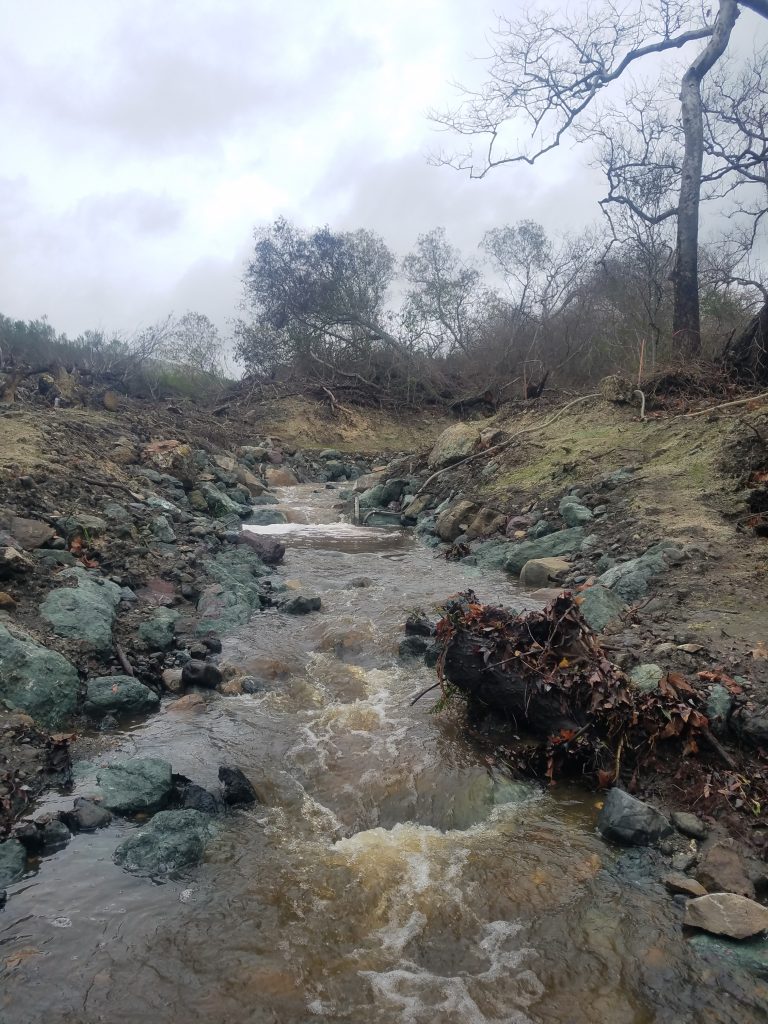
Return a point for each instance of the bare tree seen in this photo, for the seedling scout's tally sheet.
(549, 72)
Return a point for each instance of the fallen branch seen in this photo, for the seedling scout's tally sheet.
(124, 663)
(726, 405)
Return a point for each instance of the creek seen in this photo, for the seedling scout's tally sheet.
(390, 875)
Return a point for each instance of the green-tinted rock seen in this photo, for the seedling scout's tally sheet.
(172, 840)
(599, 606)
(37, 681)
(335, 469)
(237, 592)
(630, 579)
(645, 677)
(219, 504)
(745, 954)
(81, 525)
(719, 708)
(264, 499)
(563, 542)
(162, 529)
(84, 612)
(157, 633)
(266, 517)
(119, 695)
(573, 512)
(491, 555)
(142, 784)
(13, 859)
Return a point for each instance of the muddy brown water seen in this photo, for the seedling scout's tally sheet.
(389, 877)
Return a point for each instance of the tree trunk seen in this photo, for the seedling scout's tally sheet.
(747, 353)
(686, 328)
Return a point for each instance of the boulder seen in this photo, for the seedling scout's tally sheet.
(172, 840)
(269, 550)
(13, 860)
(599, 606)
(487, 522)
(419, 505)
(562, 542)
(141, 784)
(28, 533)
(195, 798)
(158, 632)
(237, 788)
(721, 868)
(254, 452)
(455, 443)
(491, 555)
(220, 504)
(85, 612)
(249, 481)
(630, 579)
(726, 913)
(119, 695)
(266, 517)
(455, 520)
(629, 821)
(689, 824)
(279, 477)
(540, 572)
(382, 494)
(37, 681)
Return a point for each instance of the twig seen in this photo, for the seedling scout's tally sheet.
(726, 405)
(719, 749)
(124, 663)
(504, 444)
(423, 693)
(107, 483)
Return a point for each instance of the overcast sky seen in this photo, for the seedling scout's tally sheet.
(142, 141)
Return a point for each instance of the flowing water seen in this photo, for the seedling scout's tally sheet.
(389, 876)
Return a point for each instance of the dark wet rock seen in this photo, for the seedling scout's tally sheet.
(270, 550)
(198, 651)
(37, 681)
(300, 605)
(171, 841)
(419, 624)
(56, 835)
(197, 798)
(600, 606)
(264, 499)
(689, 824)
(726, 913)
(201, 673)
(213, 644)
(627, 820)
(735, 954)
(86, 815)
(721, 868)
(14, 563)
(49, 558)
(158, 632)
(251, 685)
(751, 726)
(30, 835)
(573, 512)
(563, 542)
(84, 612)
(413, 647)
(13, 859)
(237, 788)
(120, 695)
(141, 784)
(683, 861)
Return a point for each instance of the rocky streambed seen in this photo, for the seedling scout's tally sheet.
(207, 685)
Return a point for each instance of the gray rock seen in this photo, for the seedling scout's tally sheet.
(630, 579)
(455, 443)
(158, 632)
(573, 512)
(86, 815)
(722, 868)
(85, 612)
(162, 529)
(455, 519)
(264, 499)
(270, 550)
(141, 784)
(37, 681)
(689, 824)
(719, 708)
(751, 726)
(600, 606)
(300, 605)
(219, 504)
(237, 788)
(541, 572)
(629, 821)
(56, 835)
(201, 673)
(172, 840)
(645, 677)
(196, 798)
(81, 525)
(491, 555)
(14, 563)
(726, 913)
(119, 695)
(266, 517)
(13, 859)
(563, 542)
